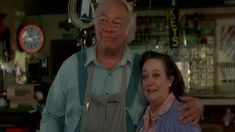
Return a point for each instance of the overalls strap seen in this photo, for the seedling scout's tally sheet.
(134, 81)
(82, 74)
(131, 91)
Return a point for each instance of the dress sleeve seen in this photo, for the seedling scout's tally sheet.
(170, 122)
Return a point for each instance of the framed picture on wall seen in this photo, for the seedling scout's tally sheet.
(225, 38)
(225, 55)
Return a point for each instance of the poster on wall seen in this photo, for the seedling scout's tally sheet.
(225, 34)
(225, 43)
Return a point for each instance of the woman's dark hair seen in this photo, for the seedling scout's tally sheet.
(171, 69)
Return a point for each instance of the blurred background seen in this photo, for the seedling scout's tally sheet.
(198, 34)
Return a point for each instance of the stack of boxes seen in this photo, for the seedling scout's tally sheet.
(21, 96)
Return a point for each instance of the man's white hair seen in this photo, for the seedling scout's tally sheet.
(131, 26)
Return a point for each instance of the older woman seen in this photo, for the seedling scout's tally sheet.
(163, 85)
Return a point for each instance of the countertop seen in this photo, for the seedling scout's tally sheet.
(216, 98)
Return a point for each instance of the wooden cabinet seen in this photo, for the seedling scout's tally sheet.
(19, 119)
(215, 118)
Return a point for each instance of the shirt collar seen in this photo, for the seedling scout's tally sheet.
(165, 107)
(91, 56)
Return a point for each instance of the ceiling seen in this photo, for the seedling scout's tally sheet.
(39, 7)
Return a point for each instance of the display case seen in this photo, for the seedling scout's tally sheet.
(207, 48)
(151, 32)
(210, 53)
(200, 58)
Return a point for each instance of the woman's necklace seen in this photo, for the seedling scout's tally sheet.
(153, 116)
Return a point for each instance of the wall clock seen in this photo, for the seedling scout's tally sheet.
(31, 38)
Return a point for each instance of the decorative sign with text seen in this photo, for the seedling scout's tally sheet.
(173, 15)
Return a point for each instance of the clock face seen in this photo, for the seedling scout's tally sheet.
(31, 38)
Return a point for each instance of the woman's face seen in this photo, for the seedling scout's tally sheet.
(111, 27)
(155, 81)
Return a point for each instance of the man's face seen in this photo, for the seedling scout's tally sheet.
(111, 30)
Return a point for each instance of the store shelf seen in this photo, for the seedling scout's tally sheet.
(216, 98)
(219, 101)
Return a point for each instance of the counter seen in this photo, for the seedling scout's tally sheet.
(216, 98)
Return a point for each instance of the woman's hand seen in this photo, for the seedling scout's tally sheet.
(192, 110)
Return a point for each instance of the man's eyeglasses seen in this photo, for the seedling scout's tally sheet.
(116, 23)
